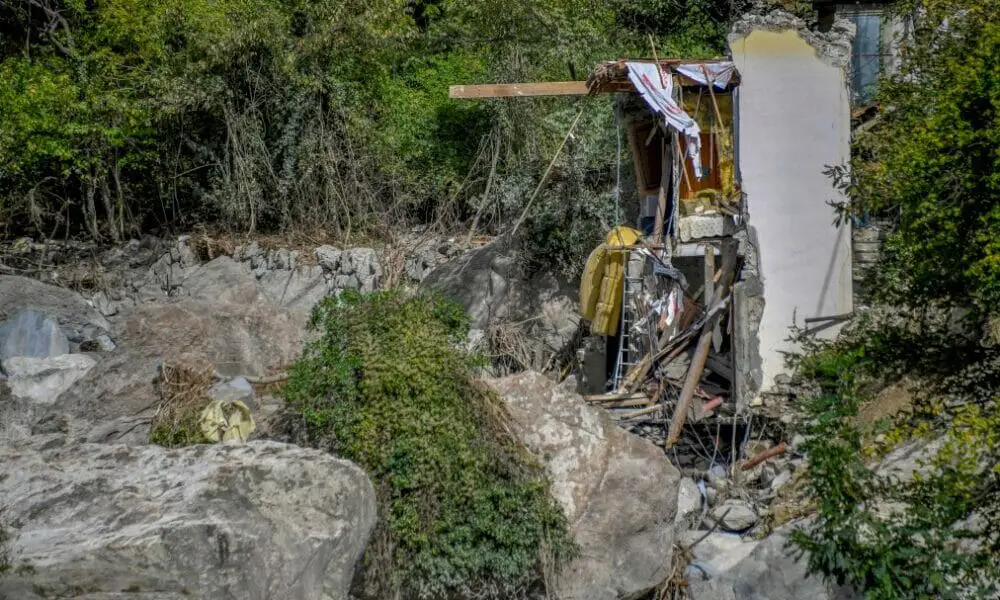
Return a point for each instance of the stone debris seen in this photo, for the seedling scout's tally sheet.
(733, 515)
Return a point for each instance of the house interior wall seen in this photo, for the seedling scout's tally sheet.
(794, 121)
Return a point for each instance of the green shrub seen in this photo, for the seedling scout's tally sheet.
(929, 159)
(463, 508)
(926, 546)
(119, 115)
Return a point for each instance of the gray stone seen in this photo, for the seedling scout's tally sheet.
(618, 491)
(30, 333)
(223, 280)
(772, 570)
(77, 319)
(298, 290)
(909, 458)
(734, 515)
(328, 257)
(42, 380)
(489, 284)
(365, 265)
(257, 521)
(715, 553)
(688, 499)
(105, 343)
(234, 339)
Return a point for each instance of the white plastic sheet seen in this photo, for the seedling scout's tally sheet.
(719, 73)
(656, 88)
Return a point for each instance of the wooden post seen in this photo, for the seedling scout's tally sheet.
(700, 353)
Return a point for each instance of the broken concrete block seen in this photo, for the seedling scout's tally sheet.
(696, 227)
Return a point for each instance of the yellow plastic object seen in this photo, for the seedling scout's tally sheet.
(222, 421)
(602, 281)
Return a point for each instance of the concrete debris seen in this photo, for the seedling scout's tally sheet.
(734, 515)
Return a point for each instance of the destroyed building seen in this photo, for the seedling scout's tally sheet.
(732, 240)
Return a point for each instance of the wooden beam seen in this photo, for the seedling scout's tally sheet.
(525, 90)
(516, 90)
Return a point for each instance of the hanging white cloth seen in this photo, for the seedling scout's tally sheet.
(656, 88)
(720, 73)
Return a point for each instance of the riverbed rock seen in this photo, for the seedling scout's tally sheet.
(233, 339)
(490, 284)
(769, 570)
(31, 334)
(42, 380)
(77, 320)
(618, 490)
(734, 515)
(258, 521)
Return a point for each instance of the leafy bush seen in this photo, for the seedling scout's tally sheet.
(929, 158)
(463, 508)
(937, 534)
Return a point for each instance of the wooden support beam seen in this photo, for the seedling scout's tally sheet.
(514, 90)
(524, 90)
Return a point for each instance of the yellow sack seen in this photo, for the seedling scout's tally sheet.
(222, 421)
(603, 278)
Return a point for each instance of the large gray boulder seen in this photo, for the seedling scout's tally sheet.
(258, 521)
(223, 280)
(31, 388)
(297, 290)
(618, 490)
(727, 568)
(31, 334)
(490, 284)
(114, 401)
(77, 320)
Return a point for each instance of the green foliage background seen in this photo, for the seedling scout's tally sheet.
(120, 115)
(464, 510)
(931, 161)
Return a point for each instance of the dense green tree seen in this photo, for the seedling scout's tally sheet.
(117, 115)
(931, 160)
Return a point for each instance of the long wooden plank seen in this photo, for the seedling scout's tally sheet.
(700, 354)
(516, 90)
(525, 90)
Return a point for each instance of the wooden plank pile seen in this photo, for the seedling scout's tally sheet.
(655, 389)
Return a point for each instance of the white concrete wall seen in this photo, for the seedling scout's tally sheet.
(794, 112)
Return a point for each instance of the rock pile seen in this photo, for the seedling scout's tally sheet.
(102, 514)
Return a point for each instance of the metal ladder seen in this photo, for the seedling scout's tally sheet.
(627, 353)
